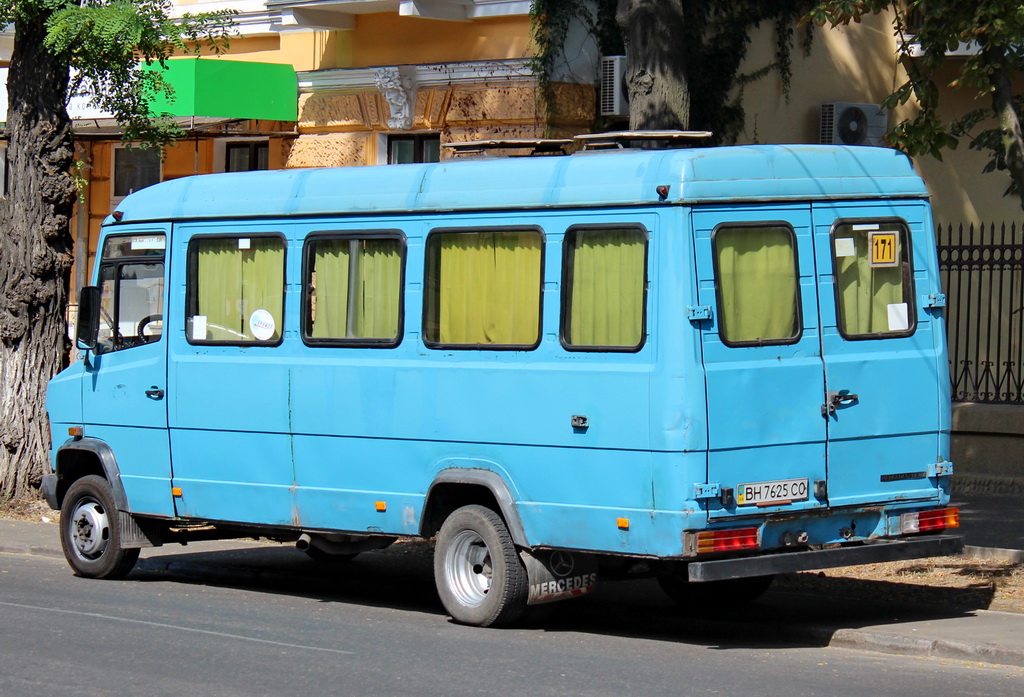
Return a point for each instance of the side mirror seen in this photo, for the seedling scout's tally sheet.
(87, 328)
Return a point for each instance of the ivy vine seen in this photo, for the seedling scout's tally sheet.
(716, 41)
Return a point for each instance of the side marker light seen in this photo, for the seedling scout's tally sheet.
(76, 431)
(380, 506)
(622, 523)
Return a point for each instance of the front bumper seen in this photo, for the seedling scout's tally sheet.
(49, 490)
(787, 562)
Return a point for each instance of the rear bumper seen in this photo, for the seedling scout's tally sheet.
(788, 562)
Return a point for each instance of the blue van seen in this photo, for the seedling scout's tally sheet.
(714, 364)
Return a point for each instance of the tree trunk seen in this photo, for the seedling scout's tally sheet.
(35, 255)
(652, 30)
(1009, 121)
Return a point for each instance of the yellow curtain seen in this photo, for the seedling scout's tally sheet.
(865, 292)
(357, 288)
(234, 281)
(331, 263)
(758, 284)
(607, 293)
(487, 289)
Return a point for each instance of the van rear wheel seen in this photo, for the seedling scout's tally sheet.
(479, 574)
(89, 531)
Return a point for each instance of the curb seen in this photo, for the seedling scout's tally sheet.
(845, 638)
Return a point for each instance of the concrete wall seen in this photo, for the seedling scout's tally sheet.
(988, 448)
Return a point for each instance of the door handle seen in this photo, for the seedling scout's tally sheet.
(834, 400)
(155, 392)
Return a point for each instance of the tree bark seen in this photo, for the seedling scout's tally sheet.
(1009, 121)
(36, 252)
(659, 96)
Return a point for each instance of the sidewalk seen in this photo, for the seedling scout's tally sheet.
(985, 636)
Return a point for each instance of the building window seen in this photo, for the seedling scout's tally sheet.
(757, 283)
(247, 156)
(235, 292)
(354, 289)
(403, 149)
(135, 168)
(482, 288)
(604, 279)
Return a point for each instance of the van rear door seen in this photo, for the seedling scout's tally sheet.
(762, 356)
(886, 376)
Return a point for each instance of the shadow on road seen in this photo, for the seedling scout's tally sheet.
(805, 610)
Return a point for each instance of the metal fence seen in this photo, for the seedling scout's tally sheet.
(982, 270)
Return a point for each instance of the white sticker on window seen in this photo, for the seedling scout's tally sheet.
(899, 319)
(148, 242)
(198, 327)
(845, 247)
(243, 243)
(262, 325)
(865, 227)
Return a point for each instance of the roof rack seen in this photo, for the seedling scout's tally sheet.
(620, 139)
(537, 146)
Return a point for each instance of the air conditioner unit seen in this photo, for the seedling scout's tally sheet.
(613, 100)
(843, 123)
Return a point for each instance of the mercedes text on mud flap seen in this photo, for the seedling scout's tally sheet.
(715, 364)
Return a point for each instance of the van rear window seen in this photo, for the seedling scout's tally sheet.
(757, 284)
(874, 284)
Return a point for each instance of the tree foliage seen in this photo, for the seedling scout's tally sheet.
(992, 32)
(106, 45)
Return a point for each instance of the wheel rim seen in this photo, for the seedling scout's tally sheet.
(468, 569)
(90, 530)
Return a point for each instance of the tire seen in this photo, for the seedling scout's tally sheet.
(90, 533)
(479, 574)
(673, 579)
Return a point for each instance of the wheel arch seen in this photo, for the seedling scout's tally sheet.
(80, 457)
(456, 487)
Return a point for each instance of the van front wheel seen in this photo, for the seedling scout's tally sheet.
(479, 574)
(89, 531)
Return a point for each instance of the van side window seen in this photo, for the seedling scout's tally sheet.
(235, 291)
(132, 291)
(603, 284)
(353, 289)
(874, 282)
(757, 285)
(482, 288)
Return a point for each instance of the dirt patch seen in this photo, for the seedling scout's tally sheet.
(38, 511)
(953, 582)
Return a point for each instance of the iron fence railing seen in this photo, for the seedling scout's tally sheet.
(982, 271)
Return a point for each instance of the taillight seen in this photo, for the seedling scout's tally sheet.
(727, 540)
(928, 521)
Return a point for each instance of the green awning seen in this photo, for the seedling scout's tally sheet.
(229, 89)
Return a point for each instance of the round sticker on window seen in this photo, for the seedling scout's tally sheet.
(262, 325)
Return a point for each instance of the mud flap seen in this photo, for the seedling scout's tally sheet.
(559, 575)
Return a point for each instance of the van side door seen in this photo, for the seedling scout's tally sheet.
(123, 398)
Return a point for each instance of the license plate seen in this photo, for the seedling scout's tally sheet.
(772, 493)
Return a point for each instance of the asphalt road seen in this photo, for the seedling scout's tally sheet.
(375, 627)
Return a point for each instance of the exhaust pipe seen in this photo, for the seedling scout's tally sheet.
(304, 542)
